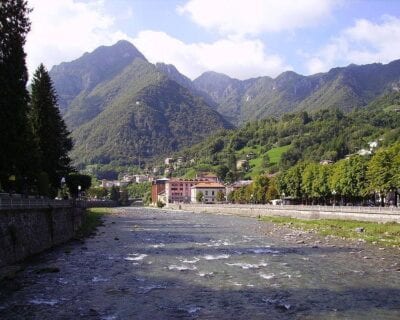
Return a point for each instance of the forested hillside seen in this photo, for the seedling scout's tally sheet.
(270, 145)
(123, 110)
(346, 88)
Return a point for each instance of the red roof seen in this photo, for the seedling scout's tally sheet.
(209, 185)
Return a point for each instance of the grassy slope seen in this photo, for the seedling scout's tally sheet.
(274, 155)
(387, 234)
(92, 220)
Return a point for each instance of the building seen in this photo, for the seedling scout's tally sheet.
(207, 176)
(139, 178)
(178, 190)
(238, 184)
(157, 189)
(326, 162)
(242, 164)
(168, 161)
(209, 191)
(110, 183)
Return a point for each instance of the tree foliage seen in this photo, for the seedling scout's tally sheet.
(49, 130)
(76, 180)
(17, 153)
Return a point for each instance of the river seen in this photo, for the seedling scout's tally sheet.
(159, 264)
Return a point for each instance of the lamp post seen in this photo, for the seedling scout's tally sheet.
(283, 198)
(62, 187)
(79, 191)
(334, 197)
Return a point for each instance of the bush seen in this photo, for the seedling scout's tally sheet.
(160, 204)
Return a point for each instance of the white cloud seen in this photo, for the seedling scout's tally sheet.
(364, 42)
(63, 30)
(237, 57)
(256, 16)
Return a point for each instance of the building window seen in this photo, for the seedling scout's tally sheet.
(212, 193)
(206, 193)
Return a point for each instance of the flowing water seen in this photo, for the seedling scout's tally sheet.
(158, 264)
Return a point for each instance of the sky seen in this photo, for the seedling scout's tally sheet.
(241, 38)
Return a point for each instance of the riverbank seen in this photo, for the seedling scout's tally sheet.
(381, 234)
(379, 228)
(162, 264)
(373, 214)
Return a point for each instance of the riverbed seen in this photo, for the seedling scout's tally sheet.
(158, 264)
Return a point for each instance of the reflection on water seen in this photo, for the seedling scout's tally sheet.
(173, 265)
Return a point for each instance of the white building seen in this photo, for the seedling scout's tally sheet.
(209, 191)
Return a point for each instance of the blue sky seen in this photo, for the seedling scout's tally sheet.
(241, 38)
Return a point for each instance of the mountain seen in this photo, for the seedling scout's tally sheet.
(269, 145)
(172, 73)
(346, 88)
(83, 74)
(123, 108)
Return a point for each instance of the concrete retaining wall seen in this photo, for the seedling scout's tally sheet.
(24, 232)
(295, 212)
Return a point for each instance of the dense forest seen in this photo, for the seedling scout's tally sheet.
(271, 144)
(313, 158)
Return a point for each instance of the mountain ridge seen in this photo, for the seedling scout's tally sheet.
(117, 78)
(130, 110)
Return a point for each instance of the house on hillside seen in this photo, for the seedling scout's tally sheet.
(111, 183)
(242, 164)
(209, 191)
(207, 176)
(325, 162)
(236, 185)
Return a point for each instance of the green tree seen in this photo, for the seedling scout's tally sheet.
(97, 192)
(309, 177)
(290, 182)
(220, 196)
(76, 180)
(383, 171)
(272, 192)
(261, 184)
(321, 185)
(49, 130)
(139, 190)
(222, 171)
(199, 196)
(114, 193)
(17, 150)
(265, 161)
(349, 177)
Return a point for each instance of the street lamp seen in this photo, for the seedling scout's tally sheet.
(334, 198)
(79, 191)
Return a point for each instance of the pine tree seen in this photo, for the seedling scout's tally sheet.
(49, 130)
(17, 151)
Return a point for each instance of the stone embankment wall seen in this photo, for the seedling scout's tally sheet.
(303, 212)
(27, 231)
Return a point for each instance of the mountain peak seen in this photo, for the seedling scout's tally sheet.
(84, 73)
(122, 48)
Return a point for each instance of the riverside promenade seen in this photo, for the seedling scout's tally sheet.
(374, 214)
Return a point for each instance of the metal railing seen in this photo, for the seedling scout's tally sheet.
(18, 202)
(350, 209)
(12, 203)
